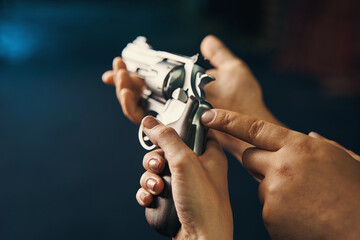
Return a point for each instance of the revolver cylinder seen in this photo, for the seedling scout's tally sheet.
(161, 75)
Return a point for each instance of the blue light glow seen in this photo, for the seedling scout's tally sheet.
(17, 42)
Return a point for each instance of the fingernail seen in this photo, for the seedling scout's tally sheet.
(154, 164)
(207, 116)
(150, 184)
(150, 122)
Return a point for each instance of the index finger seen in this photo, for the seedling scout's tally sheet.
(257, 132)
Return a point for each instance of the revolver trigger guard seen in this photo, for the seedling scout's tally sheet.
(144, 140)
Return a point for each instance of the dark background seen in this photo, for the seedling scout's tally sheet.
(70, 162)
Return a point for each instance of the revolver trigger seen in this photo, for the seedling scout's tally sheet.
(145, 141)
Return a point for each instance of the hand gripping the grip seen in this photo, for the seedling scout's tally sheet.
(174, 96)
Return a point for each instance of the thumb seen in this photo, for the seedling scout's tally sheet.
(216, 52)
(179, 156)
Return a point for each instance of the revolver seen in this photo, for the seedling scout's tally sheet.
(174, 95)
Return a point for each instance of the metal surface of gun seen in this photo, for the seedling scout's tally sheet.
(174, 96)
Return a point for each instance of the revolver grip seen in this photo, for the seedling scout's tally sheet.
(161, 214)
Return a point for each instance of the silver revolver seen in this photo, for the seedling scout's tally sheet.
(174, 95)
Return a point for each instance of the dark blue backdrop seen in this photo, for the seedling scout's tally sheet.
(70, 162)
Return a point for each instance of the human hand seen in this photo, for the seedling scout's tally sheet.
(235, 89)
(310, 188)
(199, 183)
(128, 89)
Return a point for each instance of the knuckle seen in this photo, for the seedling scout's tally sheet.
(256, 129)
(270, 211)
(121, 74)
(266, 214)
(245, 162)
(305, 146)
(246, 158)
(284, 169)
(140, 190)
(143, 178)
(272, 190)
(323, 150)
(146, 158)
(227, 119)
(143, 197)
(137, 196)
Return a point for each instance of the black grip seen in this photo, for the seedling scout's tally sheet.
(161, 214)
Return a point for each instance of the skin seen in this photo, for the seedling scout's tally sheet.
(235, 89)
(208, 216)
(309, 185)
